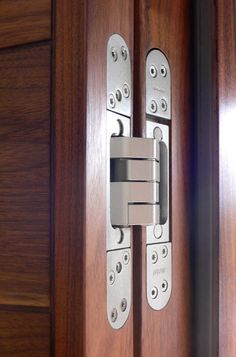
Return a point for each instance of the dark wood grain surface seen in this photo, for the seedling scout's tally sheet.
(166, 25)
(226, 35)
(24, 175)
(23, 21)
(24, 334)
(84, 27)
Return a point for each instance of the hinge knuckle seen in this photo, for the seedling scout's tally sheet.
(135, 178)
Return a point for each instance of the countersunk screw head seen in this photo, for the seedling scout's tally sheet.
(157, 133)
(124, 53)
(153, 71)
(123, 305)
(164, 105)
(114, 315)
(126, 258)
(121, 233)
(153, 106)
(154, 292)
(158, 231)
(126, 91)
(118, 95)
(114, 54)
(164, 251)
(164, 286)
(118, 267)
(163, 70)
(154, 257)
(112, 101)
(111, 277)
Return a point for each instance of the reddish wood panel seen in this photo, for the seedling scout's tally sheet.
(23, 21)
(119, 19)
(83, 28)
(24, 175)
(165, 24)
(24, 334)
(226, 35)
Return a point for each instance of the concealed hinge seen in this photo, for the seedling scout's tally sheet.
(138, 184)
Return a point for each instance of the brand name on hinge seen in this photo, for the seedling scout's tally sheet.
(159, 271)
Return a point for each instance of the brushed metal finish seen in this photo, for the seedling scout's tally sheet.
(135, 148)
(118, 240)
(114, 124)
(159, 275)
(158, 87)
(152, 236)
(119, 275)
(119, 94)
(135, 170)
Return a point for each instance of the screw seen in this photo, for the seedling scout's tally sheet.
(123, 305)
(157, 133)
(120, 232)
(163, 70)
(126, 258)
(164, 105)
(126, 91)
(164, 251)
(154, 257)
(114, 54)
(153, 71)
(111, 277)
(124, 53)
(118, 267)
(164, 286)
(114, 315)
(118, 95)
(153, 106)
(158, 231)
(154, 292)
(112, 101)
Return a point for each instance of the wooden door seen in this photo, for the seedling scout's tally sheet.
(25, 190)
(81, 325)
(53, 177)
(166, 25)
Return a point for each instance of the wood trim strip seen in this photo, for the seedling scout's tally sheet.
(226, 71)
(69, 106)
(205, 179)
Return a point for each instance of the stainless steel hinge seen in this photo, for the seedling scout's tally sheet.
(137, 181)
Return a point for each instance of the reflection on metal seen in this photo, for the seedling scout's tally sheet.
(158, 85)
(137, 181)
(158, 240)
(118, 240)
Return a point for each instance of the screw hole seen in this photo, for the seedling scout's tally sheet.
(153, 71)
(164, 286)
(126, 258)
(154, 292)
(163, 71)
(164, 251)
(118, 95)
(123, 305)
(118, 267)
(114, 315)
(124, 53)
(114, 54)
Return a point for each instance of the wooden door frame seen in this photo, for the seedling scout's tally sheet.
(205, 189)
(213, 223)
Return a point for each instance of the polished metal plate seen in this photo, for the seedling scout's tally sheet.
(119, 275)
(158, 85)
(119, 92)
(159, 233)
(159, 275)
